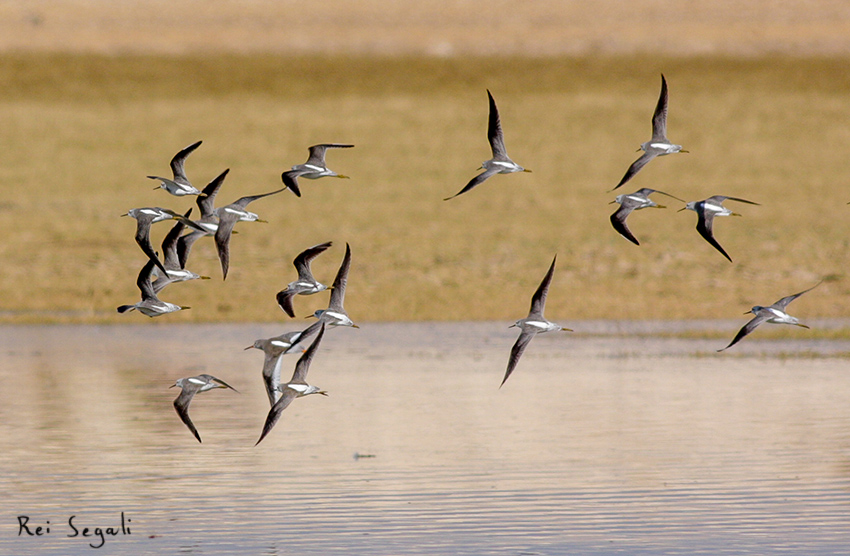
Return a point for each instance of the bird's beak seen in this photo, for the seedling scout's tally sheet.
(748, 312)
(262, 221)
(322, 392)
(128, 214)
(202, 194)
(567, 329)
(681, 209)
(157, 187)
(247, 348)
(172, 386)
(343, 177)
(660, 206)
(203, 277)
(354, 326)
(526, 170)
(735, 214)
(638, 150)
(802, 325)
(184, 308)
(612, 202)
(684, 151)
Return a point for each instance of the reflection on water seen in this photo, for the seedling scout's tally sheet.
(602, 444)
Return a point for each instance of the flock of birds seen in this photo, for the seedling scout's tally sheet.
(219, 222)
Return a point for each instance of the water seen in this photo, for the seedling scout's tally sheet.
(597, 444)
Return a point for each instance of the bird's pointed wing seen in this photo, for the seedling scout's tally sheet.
(338, 288)
(222, 241)
(705, 226)
(144, 281)
(303, 364)
(659, 118)
(494, 131)
(721, 198)
(307, 332)
(516, 353)
(206, 202)
(143, 239)
(635, 167)
(661, 192)
(618, 220)
(169, 244)
(746, 329)
(178, 161)
(317, 152)
(244, 201)
(274, 413)
(317, 155)
(181, 406)
(222, 383)
(290, 180)
(302, 261)
(184, 246)
(271, 375)
(782, 303)
(475, 181)
(538, 300)
(284, 301)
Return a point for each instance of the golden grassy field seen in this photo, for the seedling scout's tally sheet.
(80, 132)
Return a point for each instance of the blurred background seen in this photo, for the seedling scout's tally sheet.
(445, 28)
(98, 95)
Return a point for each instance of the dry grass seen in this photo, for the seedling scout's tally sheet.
(80, 133)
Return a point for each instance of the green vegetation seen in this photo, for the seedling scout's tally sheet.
(81, 132)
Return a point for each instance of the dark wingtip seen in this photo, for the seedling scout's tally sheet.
(262, 436)
(281, 299)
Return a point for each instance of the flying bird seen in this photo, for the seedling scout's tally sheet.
(314, 168)
(706, 211)
(631, 202)
(335, 314)
(180, 185)
(191, 386)
(659, 145)
(297, 387)
(274, 349)
(534, 323)
(774, 314)
(228, 216)
(500, 163)
(150, 305)
(306, 284)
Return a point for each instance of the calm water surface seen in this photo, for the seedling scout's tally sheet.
(607, 443)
